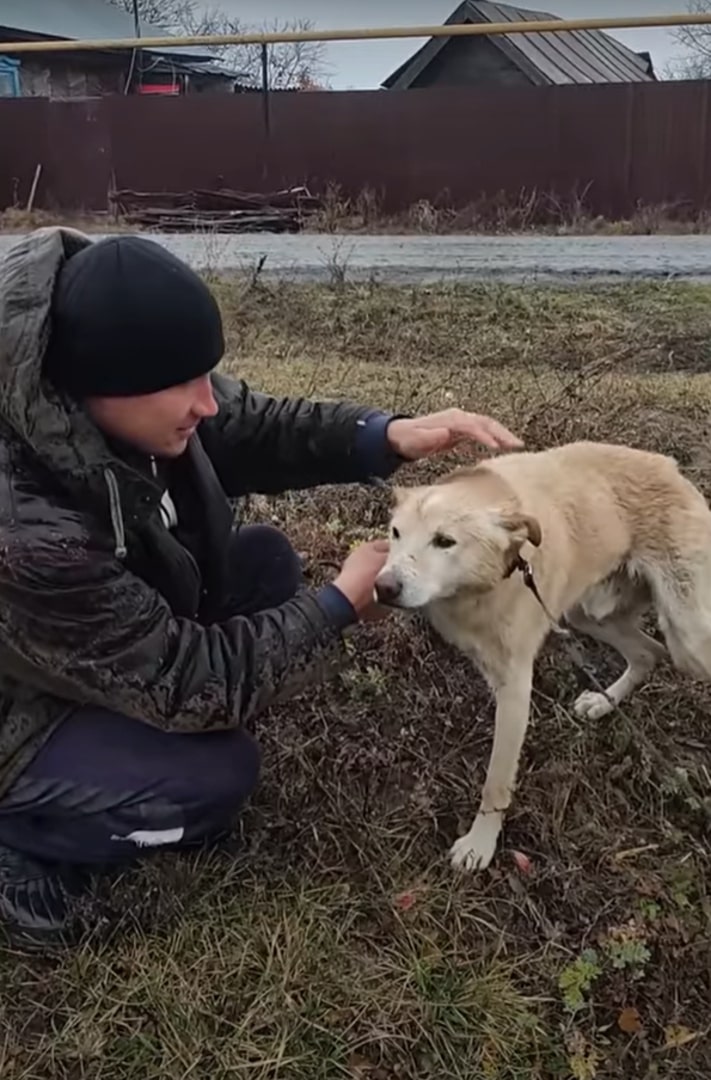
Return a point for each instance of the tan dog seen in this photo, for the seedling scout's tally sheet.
(609, 532)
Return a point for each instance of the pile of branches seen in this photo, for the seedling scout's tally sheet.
(222, 211)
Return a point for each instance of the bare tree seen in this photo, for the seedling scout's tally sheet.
(290, 65)
(696, 42)
(171, 15)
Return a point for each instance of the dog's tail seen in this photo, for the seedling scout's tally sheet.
(681, 588)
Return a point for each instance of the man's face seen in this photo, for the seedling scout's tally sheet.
(160, 424)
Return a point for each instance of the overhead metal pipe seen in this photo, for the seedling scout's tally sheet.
(553, 26)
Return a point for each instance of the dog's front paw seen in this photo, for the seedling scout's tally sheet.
(592, 706)
(476, 850)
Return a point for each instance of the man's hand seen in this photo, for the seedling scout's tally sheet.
(357, 577)
(442, 431)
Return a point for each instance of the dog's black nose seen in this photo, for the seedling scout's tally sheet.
(387, 588)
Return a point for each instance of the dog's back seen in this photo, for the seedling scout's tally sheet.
(645, 488)
(607, 509)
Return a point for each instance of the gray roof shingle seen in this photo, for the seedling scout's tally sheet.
(579, 56)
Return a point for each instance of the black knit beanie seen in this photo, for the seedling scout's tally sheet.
(129, 318)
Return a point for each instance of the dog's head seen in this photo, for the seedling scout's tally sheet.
(451, 538)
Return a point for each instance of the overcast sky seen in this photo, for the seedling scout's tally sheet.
(362, 65)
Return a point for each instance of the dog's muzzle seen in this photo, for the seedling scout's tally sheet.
(388, 590)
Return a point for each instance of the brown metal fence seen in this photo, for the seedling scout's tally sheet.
(623, 145)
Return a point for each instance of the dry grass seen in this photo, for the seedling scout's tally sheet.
(530, 213)
(15, 219)
(334, 941)
(500, 213)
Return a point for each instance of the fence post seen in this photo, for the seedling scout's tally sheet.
(265, 89)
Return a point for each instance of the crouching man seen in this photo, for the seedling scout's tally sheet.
(140, 631)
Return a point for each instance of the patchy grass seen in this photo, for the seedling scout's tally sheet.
(333, 941)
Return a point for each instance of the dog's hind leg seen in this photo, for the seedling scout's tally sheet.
(682, 594)
(639, 650)
(476, 849)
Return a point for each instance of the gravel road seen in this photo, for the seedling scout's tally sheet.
(427, 259)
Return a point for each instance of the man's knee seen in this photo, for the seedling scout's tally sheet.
(238, 773)
(266, 571)
(270, 546)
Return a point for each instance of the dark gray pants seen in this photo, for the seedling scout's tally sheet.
(106, 787)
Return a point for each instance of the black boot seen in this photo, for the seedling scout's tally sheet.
(40, 903)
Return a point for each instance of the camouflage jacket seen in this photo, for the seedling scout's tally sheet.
(91, 609)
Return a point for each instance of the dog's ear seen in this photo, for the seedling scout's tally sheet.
(402, 494)
(523, 528)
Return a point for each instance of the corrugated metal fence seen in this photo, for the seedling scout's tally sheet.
(624, 145)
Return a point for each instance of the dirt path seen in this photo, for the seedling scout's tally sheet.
(425, 259)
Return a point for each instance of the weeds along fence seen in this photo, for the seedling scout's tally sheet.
(618, 147)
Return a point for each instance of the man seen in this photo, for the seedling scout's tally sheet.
(139, 631)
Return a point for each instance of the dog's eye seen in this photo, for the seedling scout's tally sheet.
(396, 534)
(439, 540)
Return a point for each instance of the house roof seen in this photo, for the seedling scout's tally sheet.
(577, 56)
(90, 20)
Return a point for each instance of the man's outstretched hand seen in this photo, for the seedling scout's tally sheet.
(357, 577)
(440, 432)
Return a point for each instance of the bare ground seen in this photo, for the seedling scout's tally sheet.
(332, 940)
